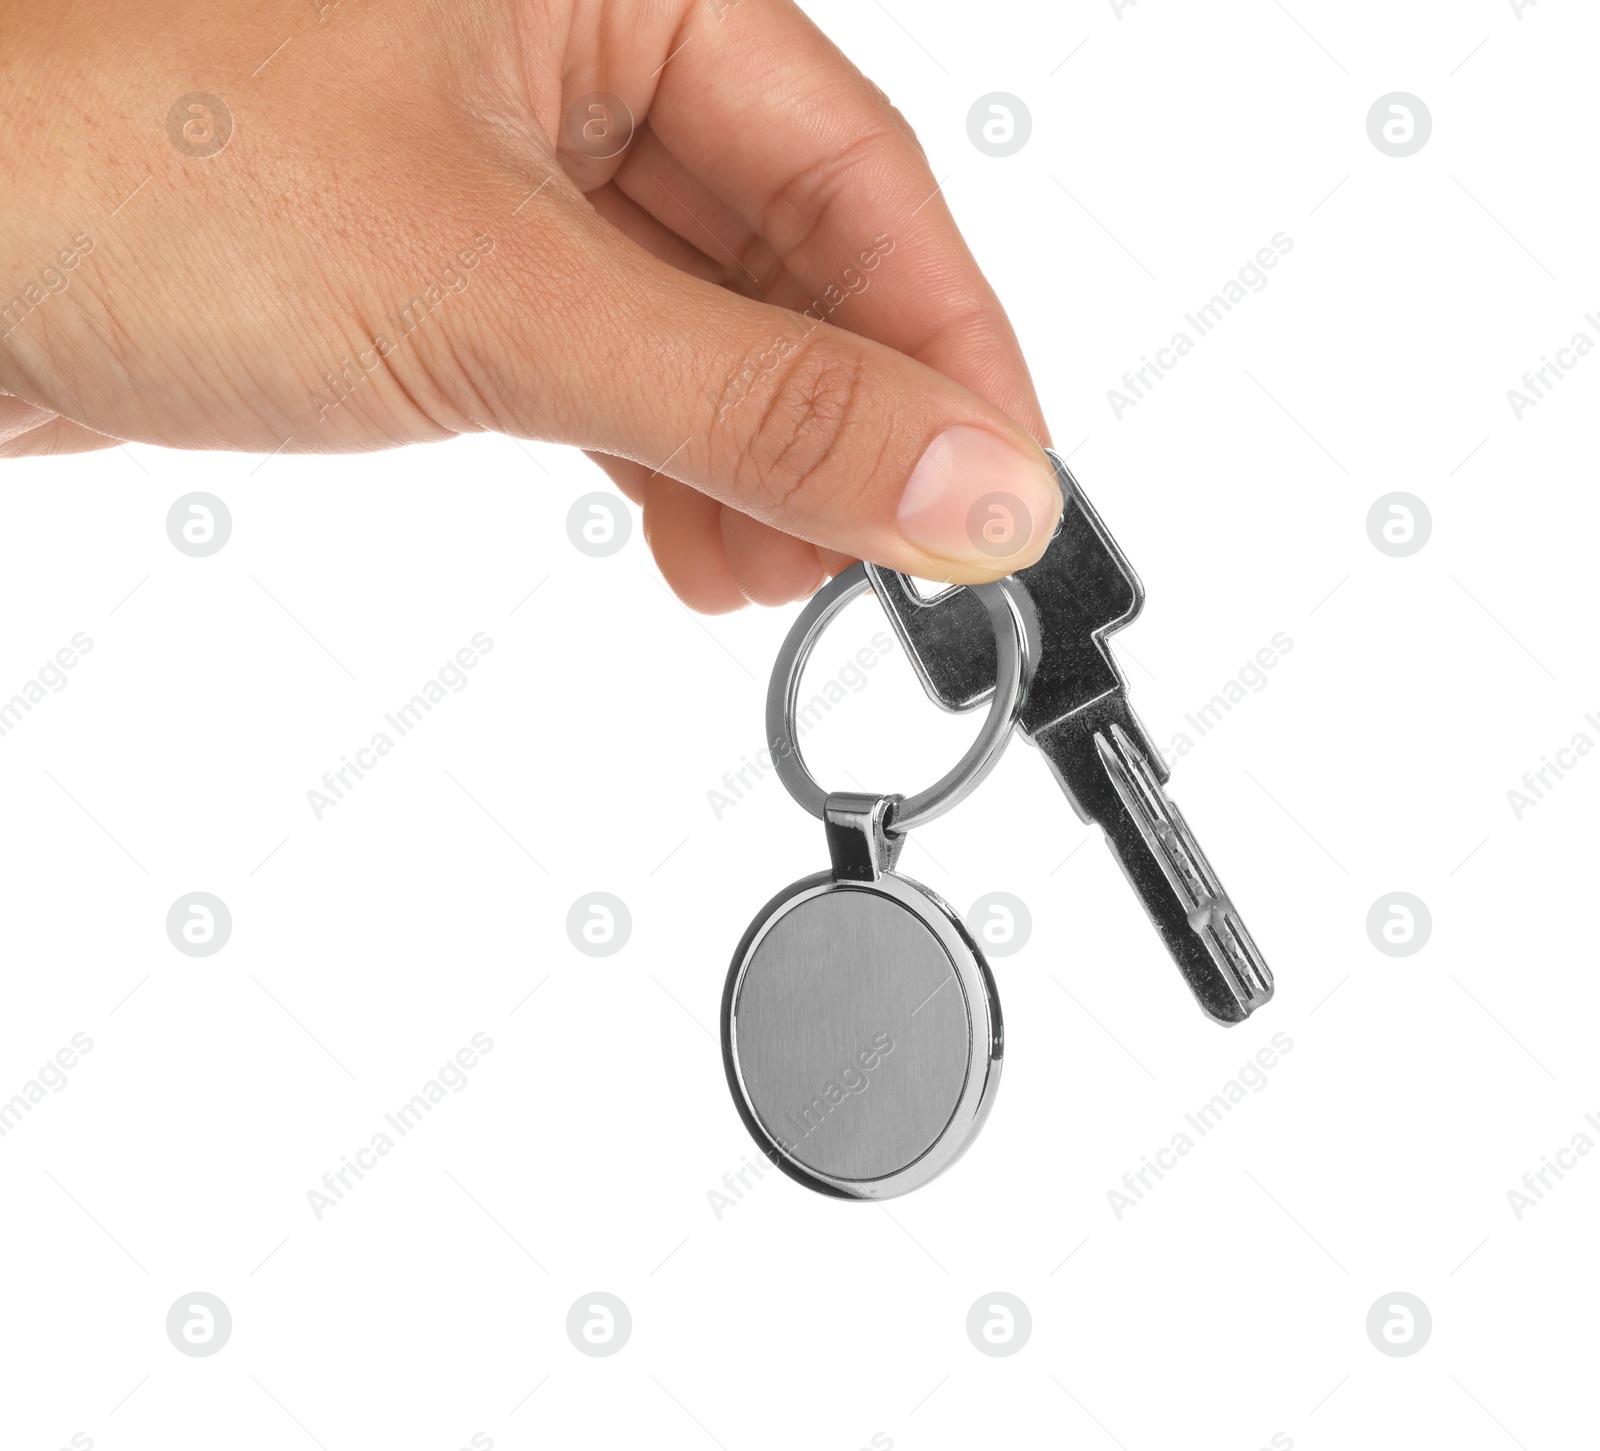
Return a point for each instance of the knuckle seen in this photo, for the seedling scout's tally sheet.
(801, 205)
(904, 128)
(807, 427)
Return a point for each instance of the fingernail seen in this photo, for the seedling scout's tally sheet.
(975, 497)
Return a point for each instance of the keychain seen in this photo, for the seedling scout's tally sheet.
(861, 1029)
(860, 1025)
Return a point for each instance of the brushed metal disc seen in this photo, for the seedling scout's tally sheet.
(861, 1034)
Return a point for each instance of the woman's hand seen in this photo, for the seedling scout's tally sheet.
(686, 235)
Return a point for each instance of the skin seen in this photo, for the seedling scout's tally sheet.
(645, 306)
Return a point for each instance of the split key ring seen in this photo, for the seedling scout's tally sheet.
(1014, 635)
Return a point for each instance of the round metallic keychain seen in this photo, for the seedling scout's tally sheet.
(860, 1025)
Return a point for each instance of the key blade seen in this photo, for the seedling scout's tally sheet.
(1104, 762)
(1208, 911)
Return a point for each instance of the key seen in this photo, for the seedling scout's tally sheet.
(1077, 713)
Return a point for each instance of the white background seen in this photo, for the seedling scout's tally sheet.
(1230, 1304)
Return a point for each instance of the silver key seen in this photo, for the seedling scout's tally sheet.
(1077, 713)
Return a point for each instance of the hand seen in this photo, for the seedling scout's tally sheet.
(325, 225)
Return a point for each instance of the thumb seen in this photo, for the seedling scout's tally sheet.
(814, 430)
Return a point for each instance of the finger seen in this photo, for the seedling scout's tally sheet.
(665, 188)
(628, 476)
(811, 157)
(684, 529)
(17, 417)
(769, 567)
(53, 436)
(831, 437)
(643, 230)
(668, 191)
(835, 563)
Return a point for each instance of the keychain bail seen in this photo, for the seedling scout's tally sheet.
(862, 842)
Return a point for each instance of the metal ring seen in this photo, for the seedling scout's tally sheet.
(1013, 670)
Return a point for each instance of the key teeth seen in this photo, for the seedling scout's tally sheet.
(1211, 914)
(1251, 975)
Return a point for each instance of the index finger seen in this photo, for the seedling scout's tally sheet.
(812, 158)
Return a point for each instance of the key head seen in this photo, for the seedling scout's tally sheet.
(1082, 589)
